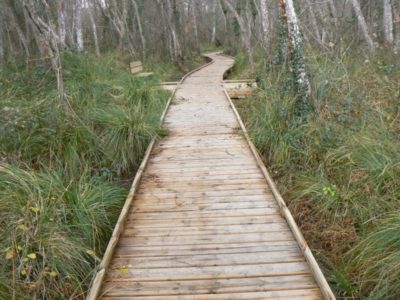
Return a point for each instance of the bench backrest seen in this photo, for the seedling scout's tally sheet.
(136, 67)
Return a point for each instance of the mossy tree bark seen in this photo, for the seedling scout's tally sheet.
(303, 105)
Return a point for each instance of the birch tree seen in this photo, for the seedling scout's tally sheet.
(214, 22)
(264, 15)
(62, 31)
(194, 19)
(94, 32)
(363, 25)
(245, 30)
(50, 42)
(175, 46)
(388, 22)
(2, 46)
(78, 25)
(303, 106)
(14, 23)
(140, 28)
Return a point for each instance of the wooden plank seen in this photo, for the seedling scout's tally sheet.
(176, 250)
(209, 221)
(214, 230)
(220, 286)
(206, 193)
(248, 172)
(208, 207)
(219, 272)
(135, 64)
(136, 70)
(198, 167)
(185, 215)
(152, 187)
(207, 239)
(199, 177)
(206, 260)
(204, 222)
(301, 294)
(149, 200)
(236, 149)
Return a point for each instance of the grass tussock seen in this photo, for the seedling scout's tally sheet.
(339, 171)
(63, 168)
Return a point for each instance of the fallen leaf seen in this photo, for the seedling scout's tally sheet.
(90, 252)
(124, 270)
(32, 256)
(23, 227)
(10, 254)
(34, 209)
(53, 274)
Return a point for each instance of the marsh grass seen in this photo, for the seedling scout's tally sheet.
(62, 169)
(339, 171)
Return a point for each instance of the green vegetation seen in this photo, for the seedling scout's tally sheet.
(340, 170)
(65, 169)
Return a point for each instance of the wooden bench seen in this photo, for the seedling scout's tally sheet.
(240, 89)
(137, 69)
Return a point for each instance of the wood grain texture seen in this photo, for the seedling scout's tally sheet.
(203, 222)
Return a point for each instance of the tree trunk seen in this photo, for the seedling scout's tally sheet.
(78, 26)
(264, 21)
(245, 34)
(2, 43)
(50, 39)
(302, 105)
(388, 22)
(62, 31)
(195, 30)
(363, 24)
(139, 23)
(214, 22)
(175, 44)
(313, 20)
(94, 31)
(14, 23)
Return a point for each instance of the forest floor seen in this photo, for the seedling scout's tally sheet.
(340, 171)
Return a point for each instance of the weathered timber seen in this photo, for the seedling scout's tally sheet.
(204, 220)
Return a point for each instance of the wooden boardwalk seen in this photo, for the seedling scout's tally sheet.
(204, 222)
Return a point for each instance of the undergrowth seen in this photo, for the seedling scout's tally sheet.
(65, 169)
(340, 171)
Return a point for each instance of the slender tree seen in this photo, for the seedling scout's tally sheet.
(363, 25)
(245, 30)
(78, 25)
(388, 22)
(94, 31)
(49, 38)
(264, 21)
(140, 28)
(2, 42)
(303, 106)
(214, 21)
(62, 30)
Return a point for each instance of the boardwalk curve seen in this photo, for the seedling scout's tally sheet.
(205, 220)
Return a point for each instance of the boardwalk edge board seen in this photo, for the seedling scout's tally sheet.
(316, 270)
(102, 268)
